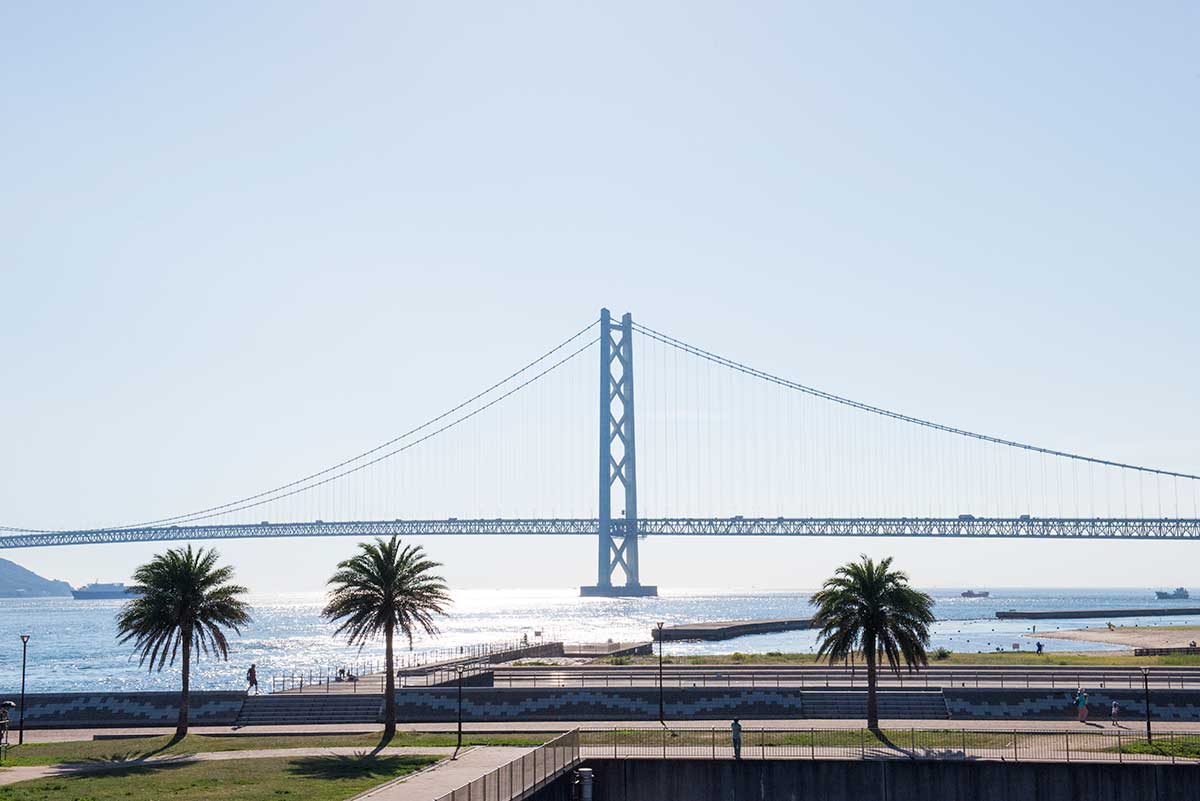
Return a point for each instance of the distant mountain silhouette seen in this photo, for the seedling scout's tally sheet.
(17, 582)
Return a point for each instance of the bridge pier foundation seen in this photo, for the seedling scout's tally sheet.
(619, 591)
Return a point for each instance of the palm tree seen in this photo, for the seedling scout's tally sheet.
(183, 604)
(382, 589)
(866, 606)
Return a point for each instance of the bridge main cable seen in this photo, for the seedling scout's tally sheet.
(679, 344)
(308, 482)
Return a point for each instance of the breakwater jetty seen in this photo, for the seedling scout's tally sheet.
(727, 630)
(1099, 614)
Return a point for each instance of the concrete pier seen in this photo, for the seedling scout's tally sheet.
(727, 630)
(1098, 614)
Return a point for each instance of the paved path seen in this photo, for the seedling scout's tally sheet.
(28, 773)
(548, 727)
(445, 776)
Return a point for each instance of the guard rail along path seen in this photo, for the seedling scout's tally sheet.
(1011, 745)
(933, 677)
(522, 777)
(423, 669)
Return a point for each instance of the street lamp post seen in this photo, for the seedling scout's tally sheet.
(459, 669)
(1146, 693)
(662, 718)
(24, 648)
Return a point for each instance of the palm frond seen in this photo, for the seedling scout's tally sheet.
(182, 594)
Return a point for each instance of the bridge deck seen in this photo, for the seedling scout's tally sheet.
(977, 527)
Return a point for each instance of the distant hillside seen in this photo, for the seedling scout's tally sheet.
(17, 582)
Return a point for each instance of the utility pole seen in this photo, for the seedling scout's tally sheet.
(662, 717)
(459, 669)
(1146, 692)
(24, 648)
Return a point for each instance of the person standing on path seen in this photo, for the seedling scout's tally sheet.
(1081, 702)
(252, 679)
(735, 729)
(1116, 710)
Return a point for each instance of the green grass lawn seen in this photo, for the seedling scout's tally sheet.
(126, 749)
(302, 779)
(1178, 746)
(799, 739)
(1014, 658)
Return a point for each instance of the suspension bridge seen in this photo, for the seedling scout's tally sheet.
(723, 439)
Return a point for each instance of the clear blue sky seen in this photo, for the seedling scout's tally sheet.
(239, 242)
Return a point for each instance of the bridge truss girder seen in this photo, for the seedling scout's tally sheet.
(1164, 529)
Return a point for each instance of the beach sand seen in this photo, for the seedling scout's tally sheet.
(1132, 636)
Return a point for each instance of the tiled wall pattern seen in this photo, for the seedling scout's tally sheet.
(62, 710)
(1041, 704)
(83, 710)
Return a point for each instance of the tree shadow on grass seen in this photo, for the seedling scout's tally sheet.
(119, 770)
(132, 757)
(384, 740)
(358, 766)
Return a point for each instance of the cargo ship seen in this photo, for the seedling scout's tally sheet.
(96, 591)
(1180, 594)
(975, 594)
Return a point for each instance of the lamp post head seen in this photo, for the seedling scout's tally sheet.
(458, 669)
(24, 638)
(660, 625)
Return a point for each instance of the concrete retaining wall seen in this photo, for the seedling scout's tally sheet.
(796, 780)
(83, 710)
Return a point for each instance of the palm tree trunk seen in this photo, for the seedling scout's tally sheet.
(872, 701)
(389, 698)
(181, 728)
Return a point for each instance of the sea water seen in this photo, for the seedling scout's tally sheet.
(73, 645)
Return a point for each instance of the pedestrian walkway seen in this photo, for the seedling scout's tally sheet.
(446, 776)
(552, 727)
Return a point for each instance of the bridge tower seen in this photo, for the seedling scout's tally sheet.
(618, 546)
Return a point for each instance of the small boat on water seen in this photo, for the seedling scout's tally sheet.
(96, 591)
(1180, 594)
(976, 594)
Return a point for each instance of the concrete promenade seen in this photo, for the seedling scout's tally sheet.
(1131, 725)
(446, 776)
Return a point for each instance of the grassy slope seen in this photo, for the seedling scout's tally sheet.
(799, 739)
(302, 779)
(1174, 745)
(123, 750)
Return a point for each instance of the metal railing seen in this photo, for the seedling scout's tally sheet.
(565, 677)
(442, 676)
(521, 776)
(1115, 745)
(413, 667)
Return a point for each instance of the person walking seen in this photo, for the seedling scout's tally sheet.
(1040, 646)
(252, 679)
(1081, 703)
(1116, 710)
(735, 729)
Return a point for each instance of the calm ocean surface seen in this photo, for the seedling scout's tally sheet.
(73, 644)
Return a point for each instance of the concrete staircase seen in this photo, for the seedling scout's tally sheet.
(304, 709)
(894, 704)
